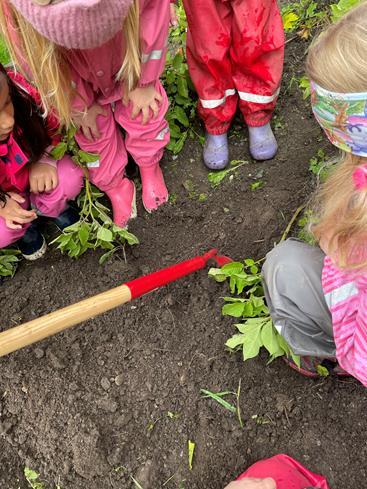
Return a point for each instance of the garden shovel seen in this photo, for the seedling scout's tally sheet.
(28, 333)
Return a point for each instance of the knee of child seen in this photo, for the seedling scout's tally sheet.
(283, 260)
(70, 175)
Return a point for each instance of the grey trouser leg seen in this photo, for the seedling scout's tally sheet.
(293, 290)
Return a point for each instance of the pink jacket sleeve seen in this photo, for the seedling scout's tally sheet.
(84, 95)
(351, 338)
(154, 25)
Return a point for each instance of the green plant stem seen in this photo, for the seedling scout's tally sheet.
(291, 222)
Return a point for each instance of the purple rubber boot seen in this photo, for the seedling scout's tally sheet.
(263, 145)
(216, 151)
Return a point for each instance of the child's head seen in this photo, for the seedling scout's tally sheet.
(337, 59)
(20, 115)
(336, 65)
(38, 31)
(340, 213)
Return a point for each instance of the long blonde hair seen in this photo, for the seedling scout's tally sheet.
(337, 61)
(45, 62)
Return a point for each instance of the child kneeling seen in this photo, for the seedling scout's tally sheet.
(318, 295)
(31, 182)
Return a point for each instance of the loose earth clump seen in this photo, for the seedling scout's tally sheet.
(89, 408)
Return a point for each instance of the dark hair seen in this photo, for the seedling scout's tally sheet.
(29, 125)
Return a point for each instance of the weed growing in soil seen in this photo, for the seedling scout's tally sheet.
(32, 477)
(9, 259)
(179, 88)
(219, 398)
(95, 229)
(216, 177)
(256, 329)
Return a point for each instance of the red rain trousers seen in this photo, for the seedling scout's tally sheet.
(235, 51)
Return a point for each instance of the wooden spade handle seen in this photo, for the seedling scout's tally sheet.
(28, 333)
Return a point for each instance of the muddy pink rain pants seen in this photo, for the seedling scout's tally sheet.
(235, 51)
(50, 204)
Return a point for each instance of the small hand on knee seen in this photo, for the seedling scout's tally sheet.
(87, 121)
(14, 214)
(144, 100)
(42, 177)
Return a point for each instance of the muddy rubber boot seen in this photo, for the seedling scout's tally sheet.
(33, 244)
(155, 192)
(263, 145)
(123, 200)
(215, 152)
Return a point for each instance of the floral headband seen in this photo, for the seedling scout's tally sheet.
(343, 117)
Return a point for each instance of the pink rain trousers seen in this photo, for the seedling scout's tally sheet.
(235, 51)
(287, 473)
(50, 204)
(145, 143)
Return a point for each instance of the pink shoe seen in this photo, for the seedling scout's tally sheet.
(155, 192)
(123, 200)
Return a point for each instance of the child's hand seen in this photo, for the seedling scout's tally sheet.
(42, 177)
(14, 214)
(174, 18)
(144, 99)
(87, 121)
(251, 483)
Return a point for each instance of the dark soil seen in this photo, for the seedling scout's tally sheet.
(76, 408)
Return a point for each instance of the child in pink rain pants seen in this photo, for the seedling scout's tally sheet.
(235, 51)
(97, 63)
(31, 182)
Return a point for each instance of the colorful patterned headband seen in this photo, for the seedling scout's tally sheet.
(343, 117)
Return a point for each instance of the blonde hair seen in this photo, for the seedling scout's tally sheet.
(46, 61)
(337, 62)
(337, 58)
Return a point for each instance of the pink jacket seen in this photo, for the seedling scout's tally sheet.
(14, 168)
(346, 296)
(94, 70)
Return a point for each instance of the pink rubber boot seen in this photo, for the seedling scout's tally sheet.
(155, 192)
(123, 200)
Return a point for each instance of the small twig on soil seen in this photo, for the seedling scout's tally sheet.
(291, 222)
(238, 404)
(169, 480)
(291, 39)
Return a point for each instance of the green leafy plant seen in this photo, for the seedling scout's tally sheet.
(304, 228)
(256, 329)
(219, 398)
(216, 177)
(179, 87)
(95, 229)
(302, 17)
(9, 259)
(341, 8)
(32, 479)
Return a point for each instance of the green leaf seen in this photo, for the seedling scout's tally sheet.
(177, 61)
(191, 450)
(236, 341)
(269, 338)
(323, 371)
(84, 233)
(59, 151)
(30, 474)
(182, 88)
(252, 340)
(104, 234)
(232, 268)
(106, 256)
(235, 310)
(217, 274)
(87, 157)
(180, 115)
(218, 397)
